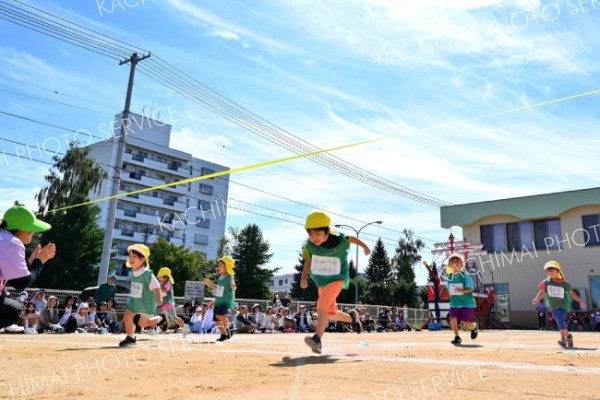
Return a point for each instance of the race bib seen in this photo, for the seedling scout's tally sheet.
(219, 291)
(453, 287)
(326, 266)
(136, 290)
(556, 291)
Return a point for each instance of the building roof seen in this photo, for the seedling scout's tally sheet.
(524, 208)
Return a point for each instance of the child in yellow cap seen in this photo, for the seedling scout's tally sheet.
(144, 294)
(558, 295)
(462, 301)
(326, 255)
(224, 291)
(167, 308)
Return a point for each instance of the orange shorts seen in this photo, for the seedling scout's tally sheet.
(327, 297)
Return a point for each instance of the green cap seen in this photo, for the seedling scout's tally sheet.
(23, 219)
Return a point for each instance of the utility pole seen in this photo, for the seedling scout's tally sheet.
(112, 206)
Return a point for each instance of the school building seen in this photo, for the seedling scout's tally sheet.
(521, 234)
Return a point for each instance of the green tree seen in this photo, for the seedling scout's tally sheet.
(185, 264)
(251, 252)
(75, 231)
(297, 293)
(405, 258)
(379, 267)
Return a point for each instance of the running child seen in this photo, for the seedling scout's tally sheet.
(326, 255)
(144, 293)
(558, 295)
(167, 308)
(462, 301)
(224, 291)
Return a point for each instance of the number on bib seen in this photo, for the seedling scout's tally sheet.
(219, 291)
(453, 287)
(556, 291)
(326, 266)
(136, 290)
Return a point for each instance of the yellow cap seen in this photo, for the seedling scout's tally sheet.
(317, 219)
(229, 264)
(164, 271)
(143, 250)
(555, 264)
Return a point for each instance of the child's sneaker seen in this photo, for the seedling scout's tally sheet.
(474, 332)
(223, 338)
(185, 330)
(314, 343)
(562, 343)
(128, 341)
(570, 340)
(356, 324)
(457, 341)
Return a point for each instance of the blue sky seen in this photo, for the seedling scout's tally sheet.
(333, 75)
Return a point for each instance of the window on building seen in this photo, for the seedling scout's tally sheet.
(493, 237)
(591, 226)
(204, 205)
(547, 234)
(207, 189)
(200, 239)
(595, 291)
(206, 171)
(281, 282)
(519, 236)
(286, 281)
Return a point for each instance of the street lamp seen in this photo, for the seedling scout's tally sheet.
(356, 260)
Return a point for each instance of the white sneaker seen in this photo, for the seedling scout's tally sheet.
(31, 331)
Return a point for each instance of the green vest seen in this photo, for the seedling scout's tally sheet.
(224, 295)
(558, 295)
(141, 299)
(169, 297)
(329, 265)
(461, 281)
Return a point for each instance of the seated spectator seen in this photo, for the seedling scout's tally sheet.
(286, 323)
(93, 316)
(49, 318)
(285, 302)
(242, 323)
(384, 320)
(258, 318)
(367, 321)
(597, 321)
(304, 321)
(270, 320)
(184, 312)
(277, 307)
(101, 313)
(394, 313)
(401, 323)
(233, 314)
(29, 318)
(80, 321)
(196, 320)
(67, 309)
(39, 299)
(208, 322)
(111, 316)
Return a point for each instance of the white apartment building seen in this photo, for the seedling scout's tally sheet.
(281, 283)
(192, 214)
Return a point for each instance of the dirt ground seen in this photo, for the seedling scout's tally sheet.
(378, 366)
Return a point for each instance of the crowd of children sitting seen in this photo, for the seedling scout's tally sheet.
(43, 314)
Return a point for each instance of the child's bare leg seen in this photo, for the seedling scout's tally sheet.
(222, 324)
(342, 317)
(179, 322)
(322, 322)
(564, 333)
(454, 326)
(128, 322)
(146, 322)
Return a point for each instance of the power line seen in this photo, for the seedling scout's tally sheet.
(165, 74)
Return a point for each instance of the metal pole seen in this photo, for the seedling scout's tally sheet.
(112, 206)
